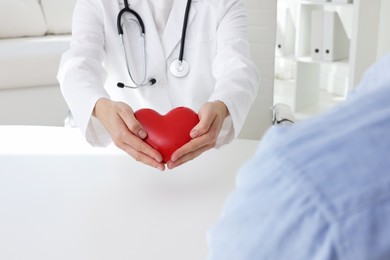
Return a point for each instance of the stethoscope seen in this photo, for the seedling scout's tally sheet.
(178, 67)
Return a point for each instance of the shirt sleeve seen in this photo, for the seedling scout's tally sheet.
(318, 189)
(269, 216)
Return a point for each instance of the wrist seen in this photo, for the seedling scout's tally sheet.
(99, 106)
(222, 108)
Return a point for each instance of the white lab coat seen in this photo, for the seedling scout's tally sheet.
(216, 48)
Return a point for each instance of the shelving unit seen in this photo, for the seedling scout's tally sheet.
(316, 85)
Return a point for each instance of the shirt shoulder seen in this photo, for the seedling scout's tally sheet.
(337, 169)
(319, 188)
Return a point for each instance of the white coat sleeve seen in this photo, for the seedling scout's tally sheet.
(237, 78)
(81, 74)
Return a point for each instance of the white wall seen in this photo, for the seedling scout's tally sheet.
(384, 33)
(41, 105)
(262, 34)
(364, 48)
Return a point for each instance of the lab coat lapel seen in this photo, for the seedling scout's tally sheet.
(173, 30)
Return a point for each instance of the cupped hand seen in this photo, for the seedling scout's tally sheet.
(204, 135)
(126, 132)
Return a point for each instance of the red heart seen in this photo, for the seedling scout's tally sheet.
(167, 133)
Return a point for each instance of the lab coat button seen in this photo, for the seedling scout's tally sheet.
(163, 82)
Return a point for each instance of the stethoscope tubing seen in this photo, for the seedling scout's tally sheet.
(120, 32)
(125, 10)
(127, 62)
(179, 67)
(184, 30)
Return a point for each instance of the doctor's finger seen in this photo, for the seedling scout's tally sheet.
(208, 140)
(210, 114)
(144, 153)
(206, 120)
(140, 146)
(132, 123)
(193, 145)
(187, 157)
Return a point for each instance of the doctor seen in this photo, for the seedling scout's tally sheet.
(162, 54)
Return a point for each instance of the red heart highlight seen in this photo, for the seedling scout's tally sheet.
(167, 133)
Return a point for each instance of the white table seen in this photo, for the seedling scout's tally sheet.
(62, 199)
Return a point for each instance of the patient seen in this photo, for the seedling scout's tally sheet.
(319, 189)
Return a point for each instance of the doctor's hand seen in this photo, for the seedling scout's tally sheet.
(204, 135)
(126, 132)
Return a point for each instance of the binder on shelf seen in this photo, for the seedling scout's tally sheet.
(285, 33)
(319, 1)
(343, 1)
(317, 29)
(335, 40)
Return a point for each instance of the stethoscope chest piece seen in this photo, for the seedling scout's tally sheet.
(179, 68)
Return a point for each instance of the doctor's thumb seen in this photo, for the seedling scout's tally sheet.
(202, 127)
(142, 134)
(199, 130)
(135, 127)
(139, 131)
(194, 133)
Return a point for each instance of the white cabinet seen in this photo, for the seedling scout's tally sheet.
(309, 79)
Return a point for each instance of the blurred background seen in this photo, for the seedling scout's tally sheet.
(35, 33)
(323, 48)
(284, 37)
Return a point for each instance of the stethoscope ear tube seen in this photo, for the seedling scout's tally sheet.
(127, 9)
(119, 19)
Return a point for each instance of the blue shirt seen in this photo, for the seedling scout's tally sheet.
(319, 189)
